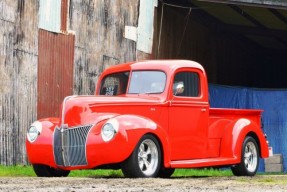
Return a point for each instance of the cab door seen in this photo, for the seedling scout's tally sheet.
(188, 116)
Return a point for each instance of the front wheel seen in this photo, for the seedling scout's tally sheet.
(47, 171)
(249, 159)
(145, 159)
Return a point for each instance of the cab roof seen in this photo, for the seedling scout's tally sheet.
(165, 65)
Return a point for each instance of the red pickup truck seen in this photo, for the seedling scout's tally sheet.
(147, 118)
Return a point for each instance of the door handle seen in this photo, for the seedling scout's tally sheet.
(203, 109)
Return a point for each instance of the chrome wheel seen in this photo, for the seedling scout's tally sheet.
(145, 160)
(148, 157)
(250, 157)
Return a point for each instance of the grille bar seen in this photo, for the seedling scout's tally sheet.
(70, 146)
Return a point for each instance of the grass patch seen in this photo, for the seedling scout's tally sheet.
(16, 171)
(27, 171)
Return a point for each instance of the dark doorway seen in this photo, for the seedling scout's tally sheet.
(239, 45)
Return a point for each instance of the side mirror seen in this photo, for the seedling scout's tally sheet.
(178, 88)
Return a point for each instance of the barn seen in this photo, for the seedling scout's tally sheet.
(51, 49)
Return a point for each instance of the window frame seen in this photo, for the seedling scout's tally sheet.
(110, 74)
(188, 70)
(147, 70)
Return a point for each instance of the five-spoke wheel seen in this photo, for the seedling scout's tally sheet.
(249, 158)
(145, 159)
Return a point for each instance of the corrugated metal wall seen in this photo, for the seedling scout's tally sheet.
(18, 70)
(55, 71)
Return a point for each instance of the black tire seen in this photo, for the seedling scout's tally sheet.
(47, 171)
(249, 159)
(144, 160)
(165, 172)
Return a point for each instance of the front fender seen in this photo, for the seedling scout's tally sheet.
(234, 137)
(41, 150)
(131, 129)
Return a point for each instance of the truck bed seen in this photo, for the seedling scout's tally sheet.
(232, 114)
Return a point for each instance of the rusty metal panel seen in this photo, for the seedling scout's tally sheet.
(64, 15)
(55, 71)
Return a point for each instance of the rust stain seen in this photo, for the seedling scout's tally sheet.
(55, 71)
(64, 15)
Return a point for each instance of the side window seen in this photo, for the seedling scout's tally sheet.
(186, 84)
(114, 84)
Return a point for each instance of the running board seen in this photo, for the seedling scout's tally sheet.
(209, 162)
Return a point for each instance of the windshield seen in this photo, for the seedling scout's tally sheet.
(147, 82)
(115, 84)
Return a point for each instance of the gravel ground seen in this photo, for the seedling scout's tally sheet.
(34, 184)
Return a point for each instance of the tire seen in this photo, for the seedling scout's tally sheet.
(47, 171)
(165, 172)
(144, 160)
(249, 159)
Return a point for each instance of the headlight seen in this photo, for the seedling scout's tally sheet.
(34, 131)
(110, 129)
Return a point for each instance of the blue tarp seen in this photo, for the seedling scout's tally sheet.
(274, 104)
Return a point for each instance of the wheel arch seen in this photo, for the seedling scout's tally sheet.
(255, 137)
(236, 133)
(139, 126)
(165, 153)
(245, 129)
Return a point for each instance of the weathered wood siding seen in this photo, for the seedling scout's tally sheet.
(18, 71)
(99, 27)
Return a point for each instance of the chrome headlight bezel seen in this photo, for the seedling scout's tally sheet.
(109, 130)
(34, 131)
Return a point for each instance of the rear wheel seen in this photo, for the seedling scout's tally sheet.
(249, 159)
(47, 171)
(145, 159)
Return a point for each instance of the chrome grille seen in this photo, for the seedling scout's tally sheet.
(70, 146)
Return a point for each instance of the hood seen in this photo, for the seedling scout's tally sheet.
(85, 110)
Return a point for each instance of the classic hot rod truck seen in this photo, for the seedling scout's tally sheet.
(147, 118)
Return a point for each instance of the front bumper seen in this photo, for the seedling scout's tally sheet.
(80, 147)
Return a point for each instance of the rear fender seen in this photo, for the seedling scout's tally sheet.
(234, 137)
